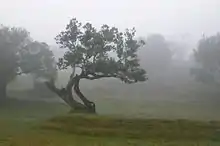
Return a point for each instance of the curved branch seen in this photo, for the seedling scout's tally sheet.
(94, 77)
(120, 76)
(52, 87)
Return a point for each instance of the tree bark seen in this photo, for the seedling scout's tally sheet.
(66, 95)
(3, 89)
(89, 104)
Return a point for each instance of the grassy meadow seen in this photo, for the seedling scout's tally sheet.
(37, 123)
(163, 113)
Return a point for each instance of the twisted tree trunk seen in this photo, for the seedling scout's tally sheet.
(90, 106)
(67, 96)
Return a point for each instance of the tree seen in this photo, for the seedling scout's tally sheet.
(15, 47)
(95, 54)
(41, 55)
(207, 57)
(156, 55)
(12, 40)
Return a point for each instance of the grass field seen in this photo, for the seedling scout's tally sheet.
(48, 124)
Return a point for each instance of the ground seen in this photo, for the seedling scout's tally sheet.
(48, 124)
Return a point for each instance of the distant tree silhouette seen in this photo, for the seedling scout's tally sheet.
(156, 55)
(44, 57)
(207, 57)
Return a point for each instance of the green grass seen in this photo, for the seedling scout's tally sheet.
(48, 124)
(133, 128)
(58, 139)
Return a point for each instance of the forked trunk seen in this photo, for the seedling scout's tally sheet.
(66, 95)
(89, 104)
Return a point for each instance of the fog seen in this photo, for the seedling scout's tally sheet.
(45, 19)
(176, 25)
(109, 72)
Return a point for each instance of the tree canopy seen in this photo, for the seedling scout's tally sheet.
(101, 53)
(12, 41)
(18, 55)
(39, 61)
(207, 57)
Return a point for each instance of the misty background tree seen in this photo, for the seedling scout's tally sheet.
(156, 55)
(207, 58)
(40, 55)
(18, 55)
(94, 54)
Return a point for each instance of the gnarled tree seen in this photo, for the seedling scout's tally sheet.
(97, 54)
(18, 55)
(12, 41)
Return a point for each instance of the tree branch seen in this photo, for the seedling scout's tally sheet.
(120, 76)
(95, 76)
(52, 87)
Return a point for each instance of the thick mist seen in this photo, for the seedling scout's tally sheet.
(171, 18)
(170, 29)
(109, 72)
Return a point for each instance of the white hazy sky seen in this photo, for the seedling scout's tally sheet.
(46, 18)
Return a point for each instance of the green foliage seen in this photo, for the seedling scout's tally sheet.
(19, 54)
(207, 56)
(39, 60)
(12, 41)
(101, 53)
